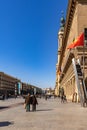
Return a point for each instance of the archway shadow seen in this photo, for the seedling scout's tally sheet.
(5, 123)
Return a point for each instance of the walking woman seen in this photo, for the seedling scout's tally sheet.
(27, 101)
(34, 103)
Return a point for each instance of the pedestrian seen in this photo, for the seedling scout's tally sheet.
(62, 94)
(27, 101)
(34, 103)
(45, 97)
(64, 97)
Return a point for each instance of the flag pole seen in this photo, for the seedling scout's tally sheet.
(83, 62)
(85, 44)
(83, 56)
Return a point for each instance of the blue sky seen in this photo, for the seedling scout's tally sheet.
(28, 39)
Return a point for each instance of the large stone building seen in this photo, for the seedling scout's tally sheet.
(76, 21)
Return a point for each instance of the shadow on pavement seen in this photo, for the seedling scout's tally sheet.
(5, 123)
(3, 107)
(45, 110)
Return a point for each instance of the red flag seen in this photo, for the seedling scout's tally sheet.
(78, 42)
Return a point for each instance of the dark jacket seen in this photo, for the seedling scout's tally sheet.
(34, 100)
(27, 100)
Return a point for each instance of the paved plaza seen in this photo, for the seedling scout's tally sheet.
(51, 114)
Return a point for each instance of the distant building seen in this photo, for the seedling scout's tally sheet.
(49, 91)
(11, 86)
(8, 84)
(70, 29)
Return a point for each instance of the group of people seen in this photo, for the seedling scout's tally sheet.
(30, 100)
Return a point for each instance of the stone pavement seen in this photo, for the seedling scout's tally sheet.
(50, 115)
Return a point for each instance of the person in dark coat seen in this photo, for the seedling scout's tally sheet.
(27, 101)
(62, 94)
(34, 103)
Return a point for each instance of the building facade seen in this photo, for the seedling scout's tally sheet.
(76, 21)
(11, 86)
(8, 84)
